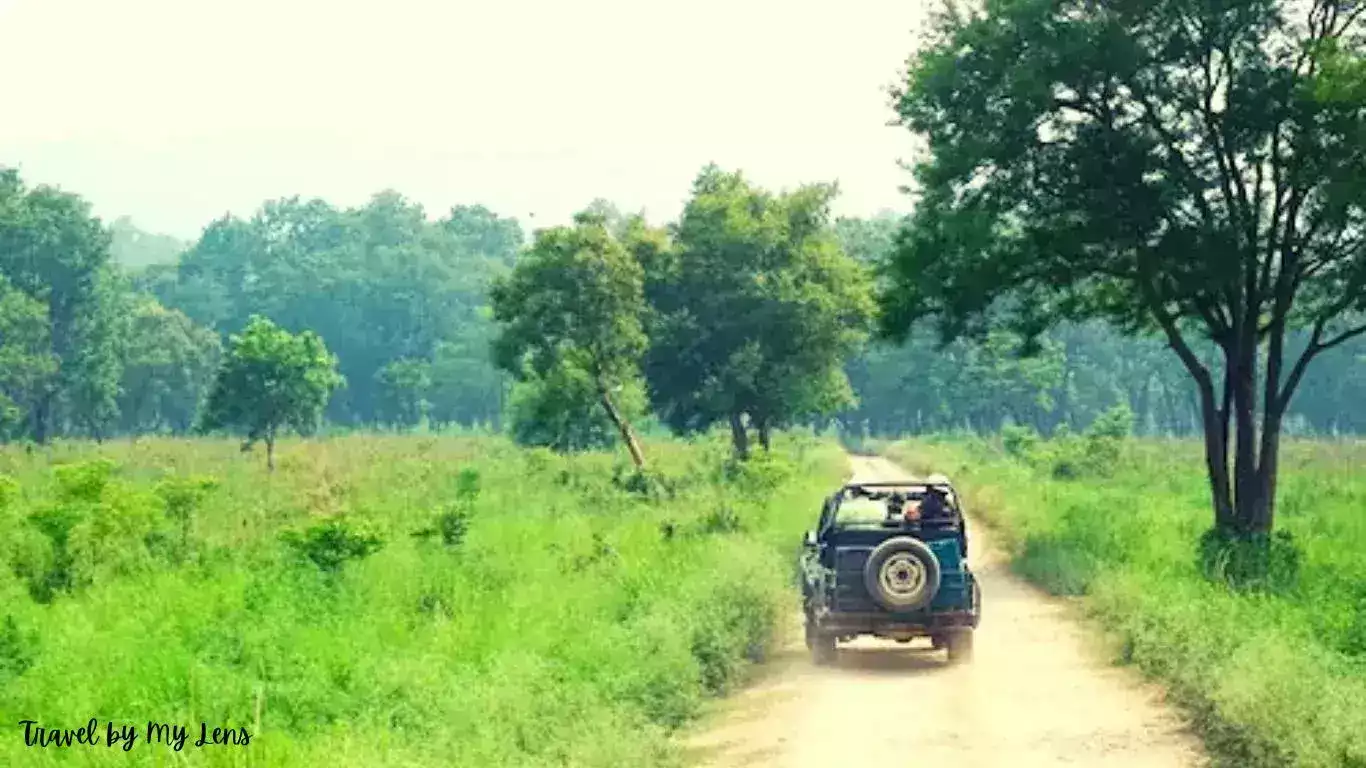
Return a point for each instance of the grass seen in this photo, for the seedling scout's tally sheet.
(1273, 678)
(387, 601)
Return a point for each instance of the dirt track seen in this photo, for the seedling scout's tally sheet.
(1038, 693)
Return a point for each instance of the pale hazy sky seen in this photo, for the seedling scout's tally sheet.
(176, 111)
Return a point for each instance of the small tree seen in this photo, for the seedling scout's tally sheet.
(271, 380)
(576, 298)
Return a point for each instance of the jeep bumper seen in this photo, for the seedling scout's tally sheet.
(846, 623)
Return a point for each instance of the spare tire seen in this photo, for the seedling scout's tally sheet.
(902, 574)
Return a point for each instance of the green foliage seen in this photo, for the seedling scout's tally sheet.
(379, 283)
(329, 545)
(169, 365)
(56, 253)
(183, 497)
(454, 520)
(1260, 640)
(270, 380)
(755, 308)
(1113, 186)
(404, 385)
(1020, 441)
(92, 528)
(133, 248)
(566, 631)
(1255, 563)
(27, 365)
(17, 650)
(562, 410)
(570, 318)
(1113, 425)
(1067, 456)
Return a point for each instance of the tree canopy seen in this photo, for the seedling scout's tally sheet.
(755, 308)
(1194, 169)
(575, 303)
(271, 380)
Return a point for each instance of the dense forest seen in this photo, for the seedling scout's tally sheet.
(106, 330)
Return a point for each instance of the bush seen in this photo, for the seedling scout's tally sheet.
(182, 497)
(331, 544)
(17, 651)
(1096, 453)
(1020, 441)
(1258, 562)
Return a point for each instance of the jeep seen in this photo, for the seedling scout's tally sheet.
(889, 559)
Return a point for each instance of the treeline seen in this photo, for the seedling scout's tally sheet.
(107, 330)
(1079, 372)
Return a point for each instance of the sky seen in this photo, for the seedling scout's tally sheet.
(175, 112)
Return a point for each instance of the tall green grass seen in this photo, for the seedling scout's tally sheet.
(521, 608)
(1272, 678)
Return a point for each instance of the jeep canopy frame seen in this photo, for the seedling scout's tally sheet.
(906, 490)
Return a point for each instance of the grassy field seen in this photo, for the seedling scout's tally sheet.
(386, 601)
(1276, 678)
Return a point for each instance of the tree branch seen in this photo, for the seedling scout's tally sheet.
(1315, 347)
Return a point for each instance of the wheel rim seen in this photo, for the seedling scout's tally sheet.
(903, 577)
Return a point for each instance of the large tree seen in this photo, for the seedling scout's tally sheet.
(755, 310)
(27, 365)
(170, 363)
(1192, 168)
(55, 251)
(576, 300)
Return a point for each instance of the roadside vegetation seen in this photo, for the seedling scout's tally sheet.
(1273, 676)
(1139, 218)
(392, 600)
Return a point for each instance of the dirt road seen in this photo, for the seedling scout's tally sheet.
(1038, 693)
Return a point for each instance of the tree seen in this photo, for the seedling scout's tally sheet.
(1194, 169)
(53, 250)
(271, 380)
(575, 299)
(403, 392)
(27, 365)
(562, 411)
(380, 283)
(754, 310)
(169, 367)
(132, 248)
(464, 387)
(94, 366)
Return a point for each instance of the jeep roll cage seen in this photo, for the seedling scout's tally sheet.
(895, 494)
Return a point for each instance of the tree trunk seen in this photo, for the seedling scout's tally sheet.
(1276, 403)
(42, 416)
(1216, 456)
(270, 451)
(1242, 366)
(739, 437)
(1142, 404)
(628, 435)
(764, 435)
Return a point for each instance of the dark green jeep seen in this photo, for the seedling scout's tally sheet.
(890, 560)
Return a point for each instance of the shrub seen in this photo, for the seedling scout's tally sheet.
(331, 544)
(1258, 562)
(1019, 441)
(17, 650)
(182, 497)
